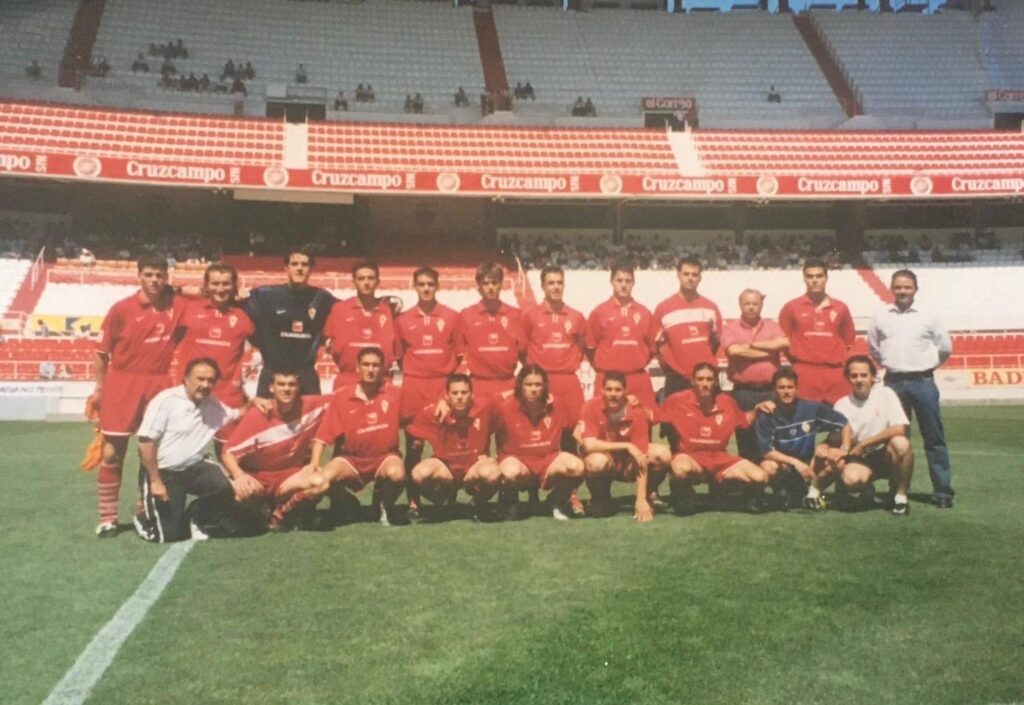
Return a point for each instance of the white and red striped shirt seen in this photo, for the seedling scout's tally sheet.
(261, 442)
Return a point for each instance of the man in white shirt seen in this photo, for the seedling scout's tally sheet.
(910, 344)
(880, 444)
(174, 438)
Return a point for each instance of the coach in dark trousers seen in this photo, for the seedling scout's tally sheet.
(753, 346)
(911, 344)
(176, 431)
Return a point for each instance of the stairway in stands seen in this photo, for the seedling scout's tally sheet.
(493, 65)
(844, 92)
(78, 52)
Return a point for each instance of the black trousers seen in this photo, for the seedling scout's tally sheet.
(169, 521)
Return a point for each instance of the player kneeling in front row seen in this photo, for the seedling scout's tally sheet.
(705, 419)
(461, 443)
(362, 424)
(880, 444)
(176, 430)
(268, 455)
(615, 437)
(529, 432)
(786, 440)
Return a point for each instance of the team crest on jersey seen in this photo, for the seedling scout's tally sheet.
(492, 338)
(384, 406)
(440, 324)
(311, 312)
(504, 321)
(832, 316)
(383, 320)
(718, 418)
(296, 326)
(371, 418)
(568, 326)
(428, 340)
(806, 426)
(636, 319)
(547, 421)
(232, 320)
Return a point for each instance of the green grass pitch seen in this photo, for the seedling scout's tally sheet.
(714, 608)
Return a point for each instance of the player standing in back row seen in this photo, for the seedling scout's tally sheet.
(490, 332)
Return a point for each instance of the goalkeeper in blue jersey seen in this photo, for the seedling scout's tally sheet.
(787, 441)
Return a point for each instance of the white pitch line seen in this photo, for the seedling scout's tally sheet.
(92, 663)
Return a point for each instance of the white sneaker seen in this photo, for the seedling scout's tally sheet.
(106, 530)
(558, 515)
(384, 521)
(197, 533)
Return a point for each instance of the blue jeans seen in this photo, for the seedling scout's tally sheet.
(920, 395)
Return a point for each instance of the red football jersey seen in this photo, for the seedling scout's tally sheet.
(687, 329)
(518, 436)
(818, 335)
(260, 442)
(429, 344)
(352, 328)
(220, 335)
(554, 340)
(630, 425)
(366, 427)
(622, 337)
(139, 337)
(491, 341)
(700, 432)
(458, 443)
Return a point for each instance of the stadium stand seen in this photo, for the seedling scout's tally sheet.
(12, 274)
(398, 47)
(1001, 48)
(33, 30)
(620, 56)
(911, 64)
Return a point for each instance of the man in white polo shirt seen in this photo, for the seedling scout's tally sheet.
(174, 438)
(880, 444)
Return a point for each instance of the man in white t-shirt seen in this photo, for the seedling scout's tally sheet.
(880, 444)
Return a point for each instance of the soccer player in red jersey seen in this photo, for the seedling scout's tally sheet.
(267, 455)
(554, 335)
(621, 335)
(362, 424)
(529, 431)
(461, 445)
(217, 327)
(689, 328)
(821, 332)
(363, 321)
(615, 437)
(133, 360)
(704, 419)
(490, 336)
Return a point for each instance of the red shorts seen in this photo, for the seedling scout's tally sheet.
(538, 465)
(485, 388)
(820, 383)
(638, 384)
(566, 386)
(273, 479)
(458, 469)
(715, 462)
(420, 392)
(367, 466)
(124, 399)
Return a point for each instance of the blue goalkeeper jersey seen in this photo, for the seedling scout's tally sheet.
(795, 435)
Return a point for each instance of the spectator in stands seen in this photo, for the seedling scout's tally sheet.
(229, 70)
(518, 91)
(42, 330)
(191, 83)
(249, 72)
(65, 372)
(461, 99)
(360, 93)
(588, 108)
(179, 50)
(34, 70)
(417, 103)
(167, 68)
(86, 258)
(100, 68)
(340, 102)
(238, 87)
(300, 74)
(407, 107)
(773, 95)
(204, 83)
(47, 370)
(578, 107)
(154, 50)
(140, 64)
(528, 91)
(370, 95)
(166, 82)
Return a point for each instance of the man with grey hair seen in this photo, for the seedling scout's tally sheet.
(753, 346)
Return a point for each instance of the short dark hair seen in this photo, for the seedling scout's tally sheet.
(864, 359)
(490, 270)
(370, 350)
(304, 250)
(220, 268)
(692, 261)
(366, 264)
(550, 269)
(197, 361)
(615, 376)
(526, 371)
(704, 365)
(624, 266)
(814, 264)
(283, 373)
(904, 273)
(151, 261)
(426, 272)
(456, 378)
(785, 373)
